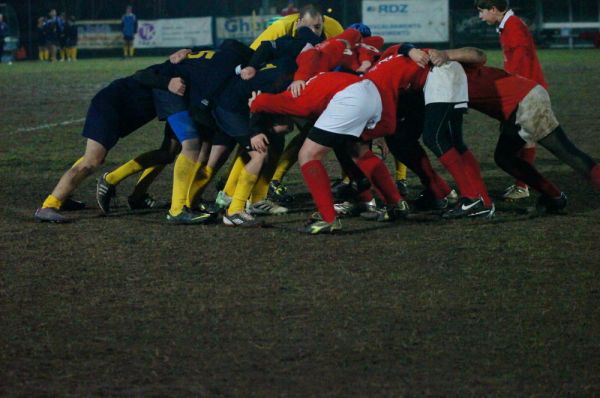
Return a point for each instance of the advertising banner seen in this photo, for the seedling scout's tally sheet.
(174, 33)
(99, 34)
(243, 28)
(408, 20)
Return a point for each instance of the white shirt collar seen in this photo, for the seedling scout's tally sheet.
(508, 14)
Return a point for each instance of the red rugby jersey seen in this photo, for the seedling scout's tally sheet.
(313, 100)
(393, 75)
(520, 56)
(325, 56)
(495, 92)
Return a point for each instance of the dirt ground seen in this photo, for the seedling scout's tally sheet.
(127, 305)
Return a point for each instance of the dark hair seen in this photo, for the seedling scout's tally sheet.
(501, 5)
(311, 9)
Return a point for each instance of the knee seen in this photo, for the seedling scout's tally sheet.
(305, 155)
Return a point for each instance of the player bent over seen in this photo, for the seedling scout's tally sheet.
(116, 111)
(525, 113)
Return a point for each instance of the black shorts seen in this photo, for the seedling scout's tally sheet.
(128, 38)
(331, 140)
(108, 119)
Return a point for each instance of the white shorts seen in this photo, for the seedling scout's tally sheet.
(447, 84)
(535, 115)
(351, 110)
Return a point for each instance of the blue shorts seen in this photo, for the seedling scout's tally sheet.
(183, 126)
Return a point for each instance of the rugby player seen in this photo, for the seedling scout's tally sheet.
(115, 112)
(520, 58)
(525, 113)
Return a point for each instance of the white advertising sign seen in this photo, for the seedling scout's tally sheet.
(407, 20)
(99, 34)
(180, 32)
(243, 28)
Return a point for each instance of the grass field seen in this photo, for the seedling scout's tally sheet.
(126, 305)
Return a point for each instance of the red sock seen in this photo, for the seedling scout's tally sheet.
(317, 181)
(474, 173)
(382, 179)
(453, 162)
(379, 175)
(595, 176)
(528, 155)
(365, 196)
(437, 185)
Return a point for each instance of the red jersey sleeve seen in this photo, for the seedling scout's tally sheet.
(283, 103)
(322, 58)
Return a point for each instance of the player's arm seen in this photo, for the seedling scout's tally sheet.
(465, 55)
(162, 77)
(264, 53)
(283, 104)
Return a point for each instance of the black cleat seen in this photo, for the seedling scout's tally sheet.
(105, 193)
(470, 208)
(144, 203)
(279, 192)
(402, 186)
(549, 205)
(388, 213)
(427, 202)
(188, 217)
(72, 205)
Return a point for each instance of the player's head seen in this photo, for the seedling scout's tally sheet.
(364, 30)
(311, 16)
(52, 13)
(128, 9)
(305, 34)
(491, 11)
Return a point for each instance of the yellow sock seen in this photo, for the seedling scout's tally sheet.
(400, 170)
(63, 54)
(288, 157)
(242, 192)
(261, 188)
(146, 179)
(41, 55)
(74, 53)
(131, 51)
(125, 51)
(201, 179)
(124, 171)
(77, 162)
(52, 202)
(233, 177)
(182, 174)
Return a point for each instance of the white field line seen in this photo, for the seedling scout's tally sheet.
(50, 125)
